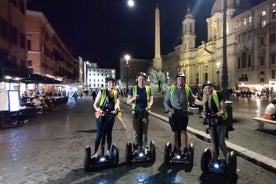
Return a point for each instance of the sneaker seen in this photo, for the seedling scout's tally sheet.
(95, 155)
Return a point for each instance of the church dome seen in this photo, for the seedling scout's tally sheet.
(217, 7)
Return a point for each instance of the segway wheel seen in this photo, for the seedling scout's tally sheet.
(87, 158)
(232, 163)
(128, 153)
(205, 160)
(167, 152)
(152, 151)
(190, 160)
(114, 155)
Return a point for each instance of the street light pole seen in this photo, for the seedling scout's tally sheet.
(225, 92)
(224, 65)
(127, 57)
(218, 63)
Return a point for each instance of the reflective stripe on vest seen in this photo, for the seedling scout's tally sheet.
(216, 100)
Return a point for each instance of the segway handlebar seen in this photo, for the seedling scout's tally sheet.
(211, 119)
(106, 113)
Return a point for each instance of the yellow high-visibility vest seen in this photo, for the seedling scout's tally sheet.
(134, 93)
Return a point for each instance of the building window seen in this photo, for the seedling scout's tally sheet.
(29, 63)
(243, 60)
(273, 74)
(262, 61)
(206, 76)
(262, 40)
(250, 19)
(273, 60)
(263, 18)
(274, 13)
(244, 21)
(263, 23)
(249, 61)
(272, 37)
(273, 10)
(239, 63)
(249, 35)
(245, 77)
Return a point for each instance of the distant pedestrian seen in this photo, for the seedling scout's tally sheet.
(270, 110)
(75, 96)
(94, 94)
(269, 113)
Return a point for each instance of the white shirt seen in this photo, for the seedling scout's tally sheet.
(270, 109)
(36, 102)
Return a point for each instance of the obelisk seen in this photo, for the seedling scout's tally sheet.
(157, 60)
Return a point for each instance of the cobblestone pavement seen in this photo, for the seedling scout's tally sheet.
(50, 150)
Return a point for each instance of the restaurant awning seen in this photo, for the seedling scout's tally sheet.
(10, 74)
(36, 78)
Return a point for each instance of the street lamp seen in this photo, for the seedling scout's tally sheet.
(127, 57)
(218, 64)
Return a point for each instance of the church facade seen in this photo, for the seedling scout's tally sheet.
(251, 47)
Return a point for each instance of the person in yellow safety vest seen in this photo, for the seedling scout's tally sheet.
(176, 102)
(140, 97)
(106, 100)
(214, 103)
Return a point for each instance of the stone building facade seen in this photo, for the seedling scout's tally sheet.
(251, 47)
(47, 54)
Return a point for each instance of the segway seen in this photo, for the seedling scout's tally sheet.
(142, 154)
(178, 157)
(216, 165)
(112, 159)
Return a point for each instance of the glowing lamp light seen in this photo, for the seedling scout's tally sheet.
(102, 159)
(130, 3)
(141, 154)
(8, 77)
(216, 165)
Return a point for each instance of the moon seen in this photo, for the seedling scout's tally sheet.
(131, 3)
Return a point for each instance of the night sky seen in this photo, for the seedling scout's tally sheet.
(103, 31)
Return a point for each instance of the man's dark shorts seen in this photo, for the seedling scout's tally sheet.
(179, 121)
